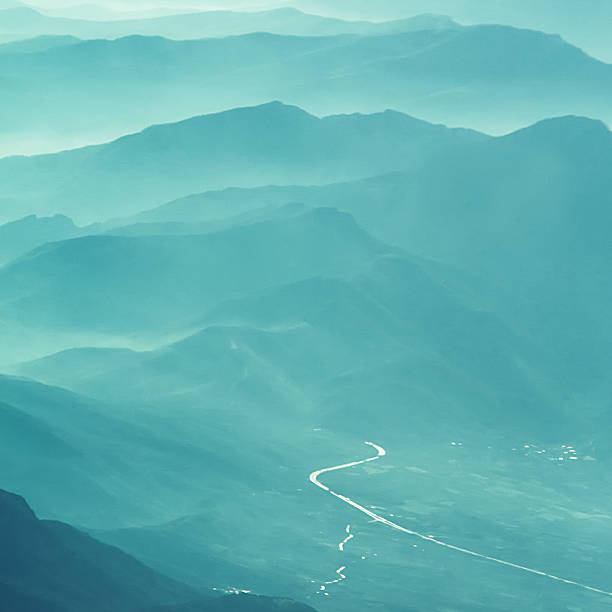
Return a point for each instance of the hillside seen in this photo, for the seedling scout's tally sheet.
(51, 566)
(192, 272)
(25, 21)
(56, 567)
(95, 463)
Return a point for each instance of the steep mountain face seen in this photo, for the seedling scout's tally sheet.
(268, 144)
(493, 78)
(58, 568)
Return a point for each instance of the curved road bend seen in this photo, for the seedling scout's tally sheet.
(381, 452)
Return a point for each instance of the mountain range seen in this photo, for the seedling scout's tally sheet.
(94, 463)
(492, 78)
(207, 299)
(28, 22)
(558, 173)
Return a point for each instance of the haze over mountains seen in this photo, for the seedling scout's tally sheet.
(583, 24)
(491, 78)
(300, 231)
(217, 151)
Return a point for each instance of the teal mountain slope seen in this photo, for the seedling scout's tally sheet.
(54, 285)
(30, 22)
(94, 463)
(272, 143)
(50, 566)
(300, 345)
(492, 78)
(58, 568)
(545, 188)
(19, 237)
(37, 44)
(583, 24)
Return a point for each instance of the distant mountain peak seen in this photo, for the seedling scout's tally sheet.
(567, 128)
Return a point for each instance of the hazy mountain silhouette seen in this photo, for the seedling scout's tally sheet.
(38, 44)
(583, 24)
(310, 334)
(39, 289)
(545, 187)
(30, 22)
(21, 236)
(267, 144)
(494, 78)
(91, 464)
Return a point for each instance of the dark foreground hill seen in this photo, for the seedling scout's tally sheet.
(52, 567)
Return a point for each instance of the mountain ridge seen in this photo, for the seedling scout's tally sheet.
(462, 76)
(269, 143)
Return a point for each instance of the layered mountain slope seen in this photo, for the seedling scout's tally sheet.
(312, 344)
(493, 78)
(268, 144)
(526, 212)
(98, 464)
(109, 283)
(19, 237)
(583, 24)
(30, 22)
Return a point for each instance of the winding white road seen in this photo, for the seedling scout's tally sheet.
(381, 452)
